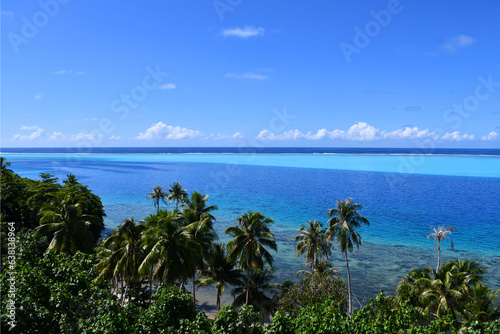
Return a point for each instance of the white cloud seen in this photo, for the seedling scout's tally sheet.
(86, 136)
(67, 72)
(35, 134)
(163, 131)
(490, 136)
(238, 135)
(245, 32)
(28, 127)
(457, 42)
(38, 96)
(456, 136)
(56, 136)
(247, 75)
(362, 131)
(167, 86)
(115, 137)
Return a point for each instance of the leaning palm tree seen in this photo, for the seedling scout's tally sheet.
(218, 270)
(313, 242)
(157, 195)
(63, 220)
(248, 247)
(342, 226)
(172, 256)
(202, 233)
(440, 234)
(177, 194)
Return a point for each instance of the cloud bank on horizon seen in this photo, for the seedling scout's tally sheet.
(163, 134)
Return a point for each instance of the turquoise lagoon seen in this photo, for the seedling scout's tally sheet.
(402, 195)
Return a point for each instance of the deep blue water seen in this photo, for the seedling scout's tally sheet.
(400, 207)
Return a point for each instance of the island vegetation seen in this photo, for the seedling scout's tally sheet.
(61, 275)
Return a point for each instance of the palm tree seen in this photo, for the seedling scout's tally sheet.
(248, 247)
(177, 194)
(482, 303)
(202, 233)
(172, 256)
(342, 226)
(440, 233)
(157, 195)
(122, 253)
(64, 219)
(447, 292)
(198, 205)
(313, 242)
(220, 271)
(323, 267)
(4, 164)
(71, 180)
(261, 283)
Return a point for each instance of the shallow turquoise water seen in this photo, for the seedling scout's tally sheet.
(402, 195)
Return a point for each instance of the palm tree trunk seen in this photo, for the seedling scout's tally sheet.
(151, 287)
(313, 264)
(248, 286)
(218, 300)
(124, 295)
(194, 292)
(439, 256)
(348, 284)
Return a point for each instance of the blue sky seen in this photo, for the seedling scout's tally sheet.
(250, 73)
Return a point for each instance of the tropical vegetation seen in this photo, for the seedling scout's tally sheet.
(69, 278)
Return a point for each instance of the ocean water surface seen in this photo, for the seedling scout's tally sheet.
(402, 194)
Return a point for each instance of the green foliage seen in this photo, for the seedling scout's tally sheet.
(170, 306)
(310, 291)
(231, 322)
(23, 198)
(57, 293)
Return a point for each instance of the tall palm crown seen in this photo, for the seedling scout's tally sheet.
(342, 226)
(440, 234)
(218, 270)
(248, 247)
(313, 242)
(177, 194)
(157, 195)
(64, 220)
(197, 203)
(172, 255)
